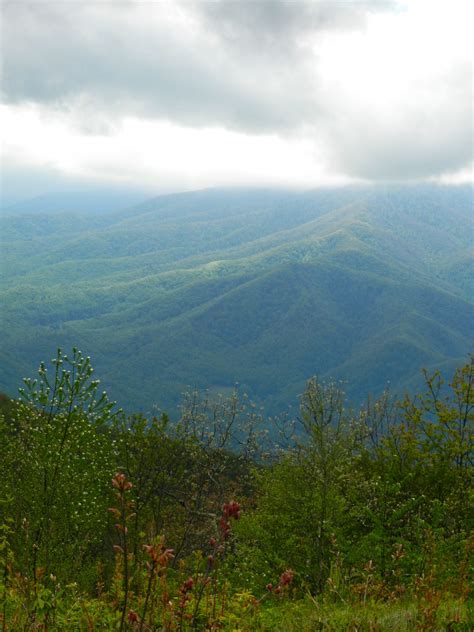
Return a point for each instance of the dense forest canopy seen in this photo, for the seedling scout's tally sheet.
(260, 287)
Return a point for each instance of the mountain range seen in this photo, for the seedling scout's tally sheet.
(262, 287)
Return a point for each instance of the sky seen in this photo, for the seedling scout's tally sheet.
(174, 95)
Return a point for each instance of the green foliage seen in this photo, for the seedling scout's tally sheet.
(303, 497)
(60, 458)
(424, 466)
(261, 287)
(360, 521)
(390, 488)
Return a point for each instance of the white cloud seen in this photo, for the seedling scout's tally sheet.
(196, 94)
(399, 97)
(160, 153)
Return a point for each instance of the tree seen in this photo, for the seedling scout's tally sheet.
(419, 475)
(63, 459)
(302, 503)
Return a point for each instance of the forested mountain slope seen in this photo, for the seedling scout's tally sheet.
(261, 287)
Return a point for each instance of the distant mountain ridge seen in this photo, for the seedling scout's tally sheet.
(363, 284)
(73, 202)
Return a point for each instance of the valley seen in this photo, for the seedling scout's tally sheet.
(263, 288)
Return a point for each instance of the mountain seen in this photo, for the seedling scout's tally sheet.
(260, 287)
(74, 201)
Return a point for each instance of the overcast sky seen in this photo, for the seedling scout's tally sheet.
(178, 95)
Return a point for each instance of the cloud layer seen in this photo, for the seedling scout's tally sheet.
(370, 84)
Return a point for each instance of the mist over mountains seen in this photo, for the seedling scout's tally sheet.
(73, 201)
(260, 287)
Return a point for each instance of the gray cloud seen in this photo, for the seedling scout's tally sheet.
(281, 26)
(112, 57)
(246, 66)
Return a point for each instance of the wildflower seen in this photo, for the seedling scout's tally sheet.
(231, 510)
(132, 616)
(224, 527)
(158, 555)
(120, 482)
(165, 557)
(187, 585)
(287, 577)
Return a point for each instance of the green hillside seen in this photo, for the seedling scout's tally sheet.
(264, 288)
